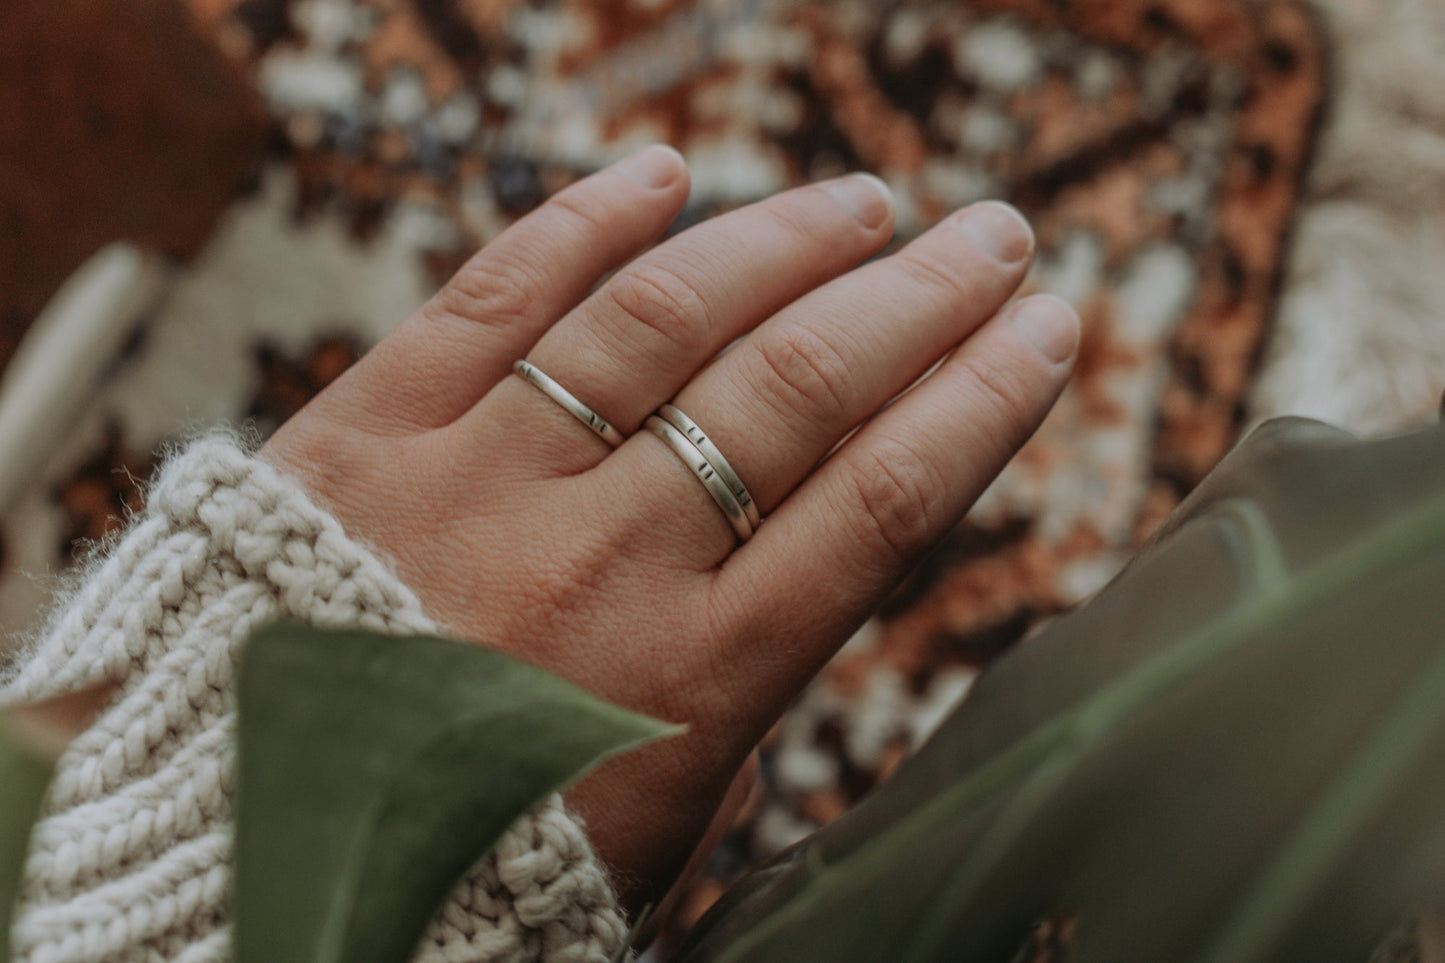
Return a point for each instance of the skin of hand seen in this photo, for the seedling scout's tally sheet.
(520, 529)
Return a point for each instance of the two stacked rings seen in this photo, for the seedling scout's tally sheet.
(689, 442)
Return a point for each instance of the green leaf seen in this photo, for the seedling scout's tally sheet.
(375, 771)
(1236, 752)
(24, 774)
(32, 737)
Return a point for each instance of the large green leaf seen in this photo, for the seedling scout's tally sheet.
(1235, 753)
(374, 771)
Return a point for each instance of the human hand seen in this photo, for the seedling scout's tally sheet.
(522, 530)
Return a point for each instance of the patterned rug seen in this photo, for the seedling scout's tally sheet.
(1157, 145)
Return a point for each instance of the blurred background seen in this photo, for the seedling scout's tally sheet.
(1243, 198)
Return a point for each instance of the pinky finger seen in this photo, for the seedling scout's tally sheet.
(832, 550)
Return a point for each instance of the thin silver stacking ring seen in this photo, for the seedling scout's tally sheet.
(707, 473)
(569, 403)
(673, 416)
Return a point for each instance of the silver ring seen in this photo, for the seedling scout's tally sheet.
(684, 424)
(706, 472)
(569, 403)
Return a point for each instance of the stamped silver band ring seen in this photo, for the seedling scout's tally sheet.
(568, 401)
(706, 472)
(672, 415)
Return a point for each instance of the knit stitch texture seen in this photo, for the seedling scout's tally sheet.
(131, 860)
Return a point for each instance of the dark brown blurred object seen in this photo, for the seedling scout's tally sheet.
(287, 384)
(102, 493)
(118, 121)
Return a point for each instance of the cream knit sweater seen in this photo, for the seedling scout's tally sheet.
(131, 859)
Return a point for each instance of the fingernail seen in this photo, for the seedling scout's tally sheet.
(653, 167)
(1050, 325)
(998, 229)
(864, 196)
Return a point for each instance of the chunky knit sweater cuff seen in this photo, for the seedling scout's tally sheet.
(130, 861)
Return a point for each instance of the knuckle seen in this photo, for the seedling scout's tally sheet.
(794, 220)
(804, 372)
(661, 300)
(498, 293)
(501, 286)
(1001, 393)
(934, 273)
(899, 495)
(576, 211)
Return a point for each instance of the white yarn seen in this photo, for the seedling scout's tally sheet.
(131, 860)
